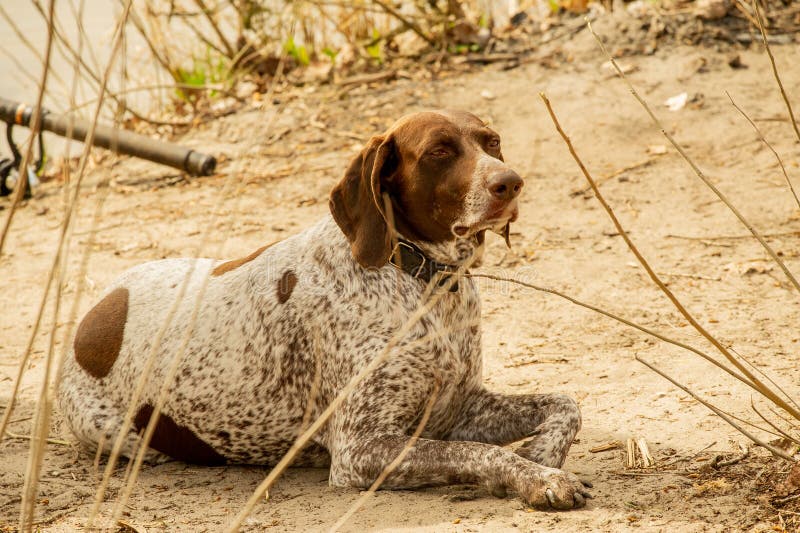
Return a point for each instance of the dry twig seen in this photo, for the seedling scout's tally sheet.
(775, 68)
(695, 168)
(44, 405)
(426, 414)
(405, 20)
(761, 387)
(22, 180)
(144, 441)
(766, 142)
(618, 318)
(775, 451)
(60, 442)
(323, 418)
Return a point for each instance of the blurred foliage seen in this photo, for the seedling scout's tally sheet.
(228, 39)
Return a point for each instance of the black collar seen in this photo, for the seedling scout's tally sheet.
(410, 259)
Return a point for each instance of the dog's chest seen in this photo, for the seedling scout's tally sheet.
(457, 362)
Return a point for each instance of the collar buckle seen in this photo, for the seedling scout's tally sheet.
(417, 271)
(411, 260)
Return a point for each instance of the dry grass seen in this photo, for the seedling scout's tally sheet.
(225, 30)
(769, 389)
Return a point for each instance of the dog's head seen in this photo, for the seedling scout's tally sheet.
(444, 176)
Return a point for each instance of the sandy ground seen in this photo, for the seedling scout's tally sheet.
(533, 342)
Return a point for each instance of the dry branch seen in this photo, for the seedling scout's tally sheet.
(630, 453)
(775, 69)
(766, 376)
(775, 451)
(22, 180)
(60, 442)
(695, 168)
(113, 456)
(644, 451)
(618, 318)
(213, 23)
(301, 441)
(766, 142)
(44, 406)
(774, 426)
(406, 21)
(426, 414)
(761, 387)
(27, 43)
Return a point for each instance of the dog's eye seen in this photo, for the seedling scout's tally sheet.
(440, 152)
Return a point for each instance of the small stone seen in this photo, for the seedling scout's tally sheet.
(735, 61)
(712, 9)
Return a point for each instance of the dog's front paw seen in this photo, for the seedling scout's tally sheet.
(551, 488)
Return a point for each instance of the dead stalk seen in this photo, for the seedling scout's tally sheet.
(621, 320)
(213, 22)
(18, 193)
(774, 426)
(775, 68)
(96, 218)
(695, 168)
(65, 225)
(766, 376)
(412, 441)
(172, 370)
(775, 451)
(407, 22)
(44, 406)
(59, 442)
(22, 180)
(27, 43)
(301, 441)
(653, 334)
(766, 142)
(759, 385)
(41, 425)
(115, 452)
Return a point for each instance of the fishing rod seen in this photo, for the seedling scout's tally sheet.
(118, 140)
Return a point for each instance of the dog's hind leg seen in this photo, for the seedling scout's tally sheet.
(95, 419)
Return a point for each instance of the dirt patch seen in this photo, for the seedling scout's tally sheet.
(285, 162)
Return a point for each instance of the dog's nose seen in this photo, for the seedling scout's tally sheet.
(506, 185)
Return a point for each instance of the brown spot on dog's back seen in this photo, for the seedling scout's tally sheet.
(227, 266)
(286, 286)
(99, 337)
(178, 442)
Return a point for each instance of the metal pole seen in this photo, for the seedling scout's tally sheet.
(121, 141)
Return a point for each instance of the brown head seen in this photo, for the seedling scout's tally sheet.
(444, 174)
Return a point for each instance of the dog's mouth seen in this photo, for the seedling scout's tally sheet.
(498, 222)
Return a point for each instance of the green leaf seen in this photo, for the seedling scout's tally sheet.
(375, 53)
(330, 53)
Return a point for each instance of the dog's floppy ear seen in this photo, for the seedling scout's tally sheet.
(357, 205)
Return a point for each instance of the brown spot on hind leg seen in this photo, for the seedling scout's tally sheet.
(99, 337)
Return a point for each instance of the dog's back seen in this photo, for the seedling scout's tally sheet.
(243, 364)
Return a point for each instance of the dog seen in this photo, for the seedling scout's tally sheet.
(279, 333)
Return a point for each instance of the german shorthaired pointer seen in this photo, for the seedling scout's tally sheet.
(320, 305)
